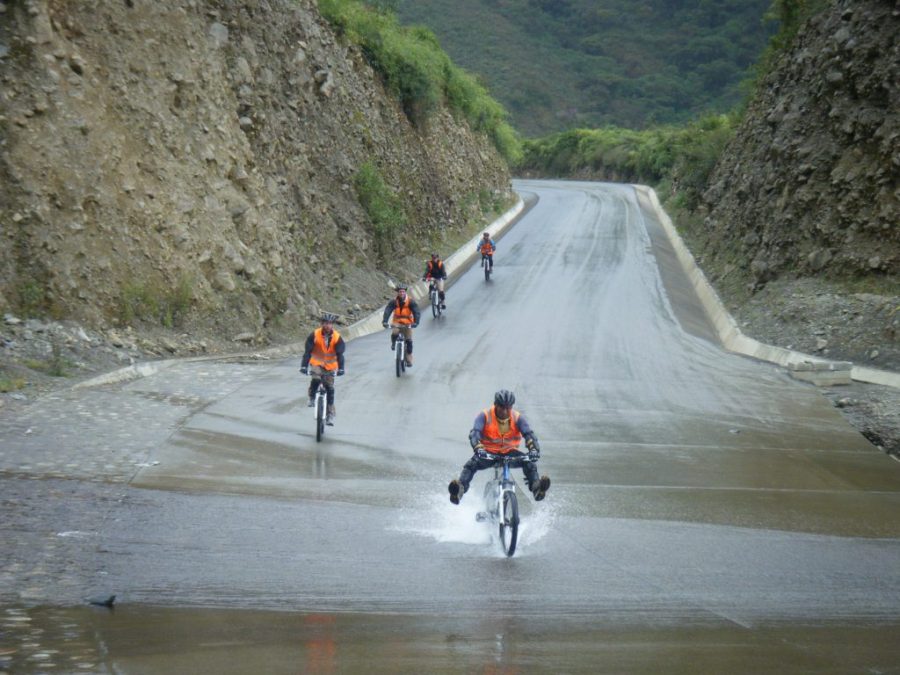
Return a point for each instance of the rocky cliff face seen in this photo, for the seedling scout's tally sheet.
(195, 160)
(810, 184)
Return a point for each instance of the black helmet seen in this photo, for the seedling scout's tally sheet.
(329, 317)
(435, 255)
(504, 398)
(486, 234)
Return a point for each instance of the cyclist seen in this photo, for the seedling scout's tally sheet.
(435, 269)
(323, 359)
(499, 430)
(487, 247)
(406, 317)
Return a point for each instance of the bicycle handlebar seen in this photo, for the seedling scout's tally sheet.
(515, 454)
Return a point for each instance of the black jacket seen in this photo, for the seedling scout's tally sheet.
(439, 273)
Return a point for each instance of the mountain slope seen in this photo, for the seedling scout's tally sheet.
(567, 63)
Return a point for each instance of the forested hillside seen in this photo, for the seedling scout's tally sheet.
(558, 64)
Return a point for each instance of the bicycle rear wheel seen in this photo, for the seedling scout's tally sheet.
(509, 523)
(320, 417)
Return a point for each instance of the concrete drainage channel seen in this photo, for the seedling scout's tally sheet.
(821, 372)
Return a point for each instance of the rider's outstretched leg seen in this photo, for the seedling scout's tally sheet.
(409, 350)
(537, 484)
(456, 490)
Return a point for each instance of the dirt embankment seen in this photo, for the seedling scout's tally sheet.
(191, 164)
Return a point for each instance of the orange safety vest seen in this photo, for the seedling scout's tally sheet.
(486, 248)
(403, 314)
(324, 355)
(493, 440)
(432, 266)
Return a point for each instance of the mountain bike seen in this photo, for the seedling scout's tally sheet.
(400, 352)
(486, 264)
(501, 506)
(319, 408)
(435, 296)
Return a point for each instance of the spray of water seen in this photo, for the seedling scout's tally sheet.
(433, 516)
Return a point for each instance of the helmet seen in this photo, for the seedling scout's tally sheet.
(435, 255)
(504, 398)
(486, 235)
(401, 287)
(329, 317)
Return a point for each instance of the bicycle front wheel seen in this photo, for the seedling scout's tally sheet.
(320, 417)
(435, 305)
(509, 523)
(398, 352)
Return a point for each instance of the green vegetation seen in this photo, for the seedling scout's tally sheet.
(418, 71)
(384, 208)
(559, 64)
(155, 304)
(676, 159)
(684, 156)
(31, 298)
(9, 383)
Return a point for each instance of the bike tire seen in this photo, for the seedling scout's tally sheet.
(509, 523)
(320, 417)
(487, 272)
(435, 306)
(398, 353)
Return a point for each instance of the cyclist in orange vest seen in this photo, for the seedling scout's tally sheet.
(499, 430)
(487, 247)
(435, 269)
(406, 317)
(323, 359)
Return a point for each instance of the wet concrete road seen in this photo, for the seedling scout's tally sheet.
(707, 512)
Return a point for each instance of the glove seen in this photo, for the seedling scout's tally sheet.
(534, 455)
(304, 370)
(384, 324)
(340, 372)
(481, 453)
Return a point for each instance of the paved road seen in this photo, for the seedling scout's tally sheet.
(699, 498)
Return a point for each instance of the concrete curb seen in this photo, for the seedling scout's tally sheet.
(456, 264)
(819, 371)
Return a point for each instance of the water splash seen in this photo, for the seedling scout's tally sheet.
(434, 517)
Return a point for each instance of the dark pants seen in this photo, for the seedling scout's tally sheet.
(477, 463)
(327, 378)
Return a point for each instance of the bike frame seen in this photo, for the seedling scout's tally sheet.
(501, 503)
(434, 296)
(399, 351)
(319, 409)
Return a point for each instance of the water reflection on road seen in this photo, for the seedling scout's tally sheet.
(148, 639)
